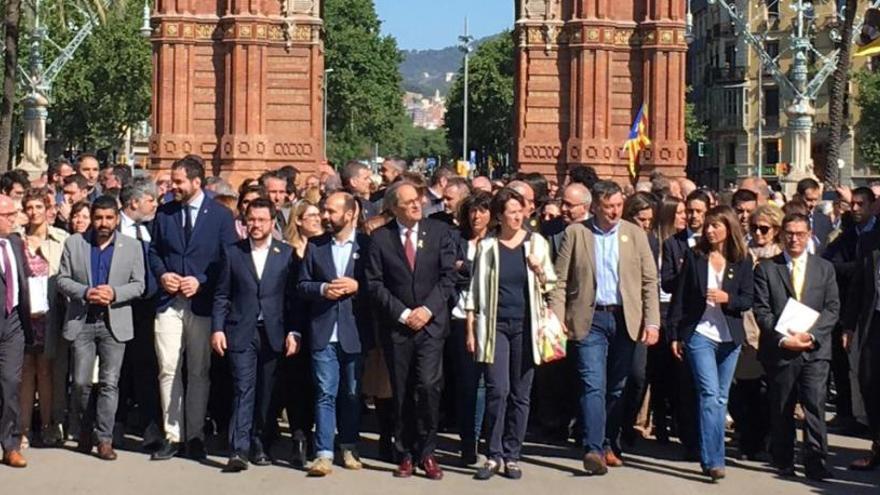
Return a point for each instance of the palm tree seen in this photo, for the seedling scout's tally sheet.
(837, 95)
(12, 25)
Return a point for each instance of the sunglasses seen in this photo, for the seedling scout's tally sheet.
(763, 229)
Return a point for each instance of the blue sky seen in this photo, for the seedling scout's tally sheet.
(422, 24)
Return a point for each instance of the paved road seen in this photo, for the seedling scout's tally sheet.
(548, 470)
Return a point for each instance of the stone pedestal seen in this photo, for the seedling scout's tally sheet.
(237, 82)
(800, 128)
(33, 159)
(584, 68)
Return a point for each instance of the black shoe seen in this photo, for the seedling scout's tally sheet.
(386, 449)
(468, 454)
(818, 472)
(786, 471)
(166, 450)
(512, 470)
(487, 470)
(195, 450)
(298, 457)
(259, 457)
(236, 463)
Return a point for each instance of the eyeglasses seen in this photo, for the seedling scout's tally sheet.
(763, 229)
(796, 235)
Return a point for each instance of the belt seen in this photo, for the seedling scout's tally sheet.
(610, 308)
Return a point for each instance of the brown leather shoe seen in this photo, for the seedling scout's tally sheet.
(405, 468)
(106, 452)
(594, 464)
(431, 468)
(612, 459)
(13, 458)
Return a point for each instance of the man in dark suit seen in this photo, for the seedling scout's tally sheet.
(861, 337)
(410, 277)
(252, 322)
(809, 191)
(334, 289)
(15, 331)
(674, 251)
(101, 273)
(797, 362)
(185, 256)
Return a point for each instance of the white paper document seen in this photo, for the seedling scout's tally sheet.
(796, 317)
(39, 294)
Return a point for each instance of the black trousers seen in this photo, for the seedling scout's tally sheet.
(869, 377)
(295, 392)
(804, 381)
(751, 412)
(140, 367)
(840, 372)
(416, 363)
(11, 360)
(508, 389)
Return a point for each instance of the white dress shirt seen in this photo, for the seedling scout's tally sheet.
(13, 266)
(414, 237)
(129, 227)
(259, 255)
(193, 207)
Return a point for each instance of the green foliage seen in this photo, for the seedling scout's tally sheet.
(490, 112)
(365, 100)
(694, 130)
(868, 100)
(105, 88)
(425, 143)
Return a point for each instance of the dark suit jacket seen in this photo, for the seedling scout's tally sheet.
(241, 296)
(674, 250)
(861, 299)
(24, 300)
(395, 288)
(351, 314)
(201, 258)
(773, 289)
(822, 228)
(689, 298)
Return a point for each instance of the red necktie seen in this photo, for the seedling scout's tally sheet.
(7, 278)
(410, 249)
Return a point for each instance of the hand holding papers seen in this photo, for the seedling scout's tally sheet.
(796, 318)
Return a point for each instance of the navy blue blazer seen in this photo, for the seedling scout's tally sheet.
(241, 296)
(351, 314)
(169, 252)
(689, 298)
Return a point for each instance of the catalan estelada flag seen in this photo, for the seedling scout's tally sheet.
(637, 140)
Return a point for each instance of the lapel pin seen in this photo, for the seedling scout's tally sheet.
(276, 250)
(421, 244)
(624, 238)
(355, 255)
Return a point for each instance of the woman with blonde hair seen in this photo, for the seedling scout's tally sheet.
(749, 405)
(304, 223)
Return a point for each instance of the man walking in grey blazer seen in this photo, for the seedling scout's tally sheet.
(102, 272)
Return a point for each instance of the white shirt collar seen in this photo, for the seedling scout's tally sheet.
(197, 201)
(254, 247)
(348, 240)
(403, 228)
(800, 259)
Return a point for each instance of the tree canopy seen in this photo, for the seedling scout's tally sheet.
(490, 106)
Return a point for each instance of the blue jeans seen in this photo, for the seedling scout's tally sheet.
(713, 365)
(335, 368)
(603, 360)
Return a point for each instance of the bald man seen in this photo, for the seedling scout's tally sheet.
(15, 331)
(482, 183)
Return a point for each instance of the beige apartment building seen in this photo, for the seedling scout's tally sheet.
(726, 78)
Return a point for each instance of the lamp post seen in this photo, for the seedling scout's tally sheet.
(327, 73)
(466, 46)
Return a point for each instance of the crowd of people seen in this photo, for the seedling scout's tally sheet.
(178, 307)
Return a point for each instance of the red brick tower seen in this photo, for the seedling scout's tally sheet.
(584, 69)
(238, 82)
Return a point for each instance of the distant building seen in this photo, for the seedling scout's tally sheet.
(425, 112)
(723, 72)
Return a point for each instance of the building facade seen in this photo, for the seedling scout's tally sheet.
(743, 106)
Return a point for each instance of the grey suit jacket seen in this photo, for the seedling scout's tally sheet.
(126, 278)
